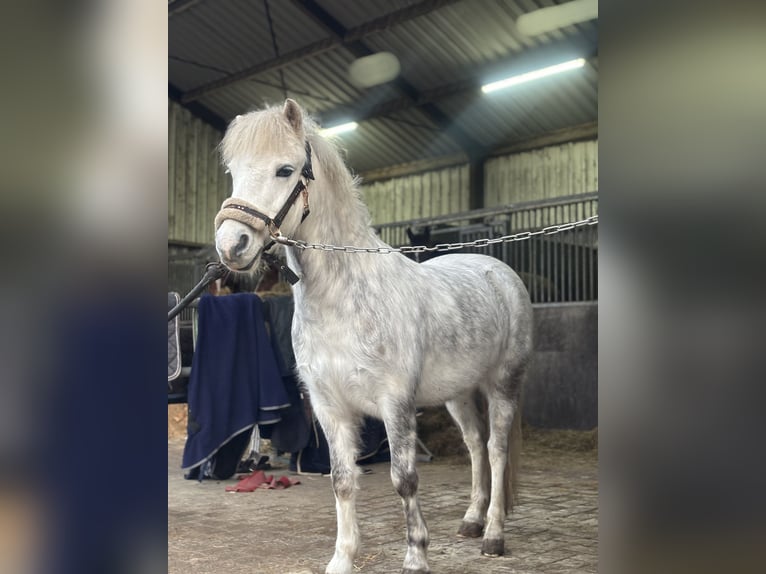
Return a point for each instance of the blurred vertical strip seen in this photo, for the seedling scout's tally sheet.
(682, 131)
(83, 179)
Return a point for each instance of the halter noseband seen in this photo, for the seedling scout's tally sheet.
(244, 212)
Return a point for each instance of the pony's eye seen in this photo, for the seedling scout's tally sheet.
(285, 171)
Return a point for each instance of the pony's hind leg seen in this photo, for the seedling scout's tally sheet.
(402, 438)
(342, 431)
(501, 410)
(469, 417)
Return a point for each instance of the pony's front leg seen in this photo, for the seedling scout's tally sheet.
(342, 431)
(402, 438)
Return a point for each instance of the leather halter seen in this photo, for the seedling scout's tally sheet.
(245, 212)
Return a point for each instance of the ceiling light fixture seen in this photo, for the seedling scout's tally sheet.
(534, 75)
(339, 129)
(556, 17)
(374, 69)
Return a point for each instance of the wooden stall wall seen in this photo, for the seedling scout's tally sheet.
(545, 173)
(419, 195)
(197, 183)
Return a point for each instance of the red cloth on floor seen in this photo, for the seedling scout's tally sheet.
(258, 479)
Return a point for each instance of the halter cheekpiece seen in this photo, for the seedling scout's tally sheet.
(246, 213)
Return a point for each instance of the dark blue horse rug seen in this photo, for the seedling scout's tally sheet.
(235, 382)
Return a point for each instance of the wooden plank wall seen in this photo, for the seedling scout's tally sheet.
(419, 195)
(544, 173)
(197, 184)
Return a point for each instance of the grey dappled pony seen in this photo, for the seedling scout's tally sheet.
(378, 334)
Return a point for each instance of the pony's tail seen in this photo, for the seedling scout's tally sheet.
(513, 460)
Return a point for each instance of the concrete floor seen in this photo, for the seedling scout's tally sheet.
(554, 528)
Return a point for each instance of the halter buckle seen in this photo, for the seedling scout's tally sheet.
(274, 229)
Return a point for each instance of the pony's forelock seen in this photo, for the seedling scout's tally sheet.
(266, 129)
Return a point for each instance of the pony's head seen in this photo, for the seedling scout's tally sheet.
(267, 154)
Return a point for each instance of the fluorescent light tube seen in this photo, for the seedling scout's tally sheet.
(534, 75)
(339, 129)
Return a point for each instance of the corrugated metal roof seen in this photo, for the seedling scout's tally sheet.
(234, 35)
(320, 84)
(445, 55)
(396, 139)
(527, 110)
(186, 75)
(453, 42)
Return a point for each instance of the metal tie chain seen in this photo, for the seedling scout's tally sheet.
(524, 235)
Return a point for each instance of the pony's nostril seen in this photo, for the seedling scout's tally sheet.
(239, 249)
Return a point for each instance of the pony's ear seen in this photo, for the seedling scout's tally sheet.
(294, 115)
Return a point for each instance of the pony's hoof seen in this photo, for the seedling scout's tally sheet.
(470, 530)
(492, 547)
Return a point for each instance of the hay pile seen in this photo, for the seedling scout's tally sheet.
(561, 439)
(177, 419)
(440, 434)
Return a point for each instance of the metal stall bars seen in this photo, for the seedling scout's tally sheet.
(557, 268)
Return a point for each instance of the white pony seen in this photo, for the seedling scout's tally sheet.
(378, 334)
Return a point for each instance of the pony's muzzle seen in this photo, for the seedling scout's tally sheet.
(237, 244)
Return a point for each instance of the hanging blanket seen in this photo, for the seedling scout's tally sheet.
(235, 381)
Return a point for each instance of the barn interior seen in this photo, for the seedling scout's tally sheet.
(464, 120)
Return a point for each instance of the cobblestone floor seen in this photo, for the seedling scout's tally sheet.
(552, 530)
